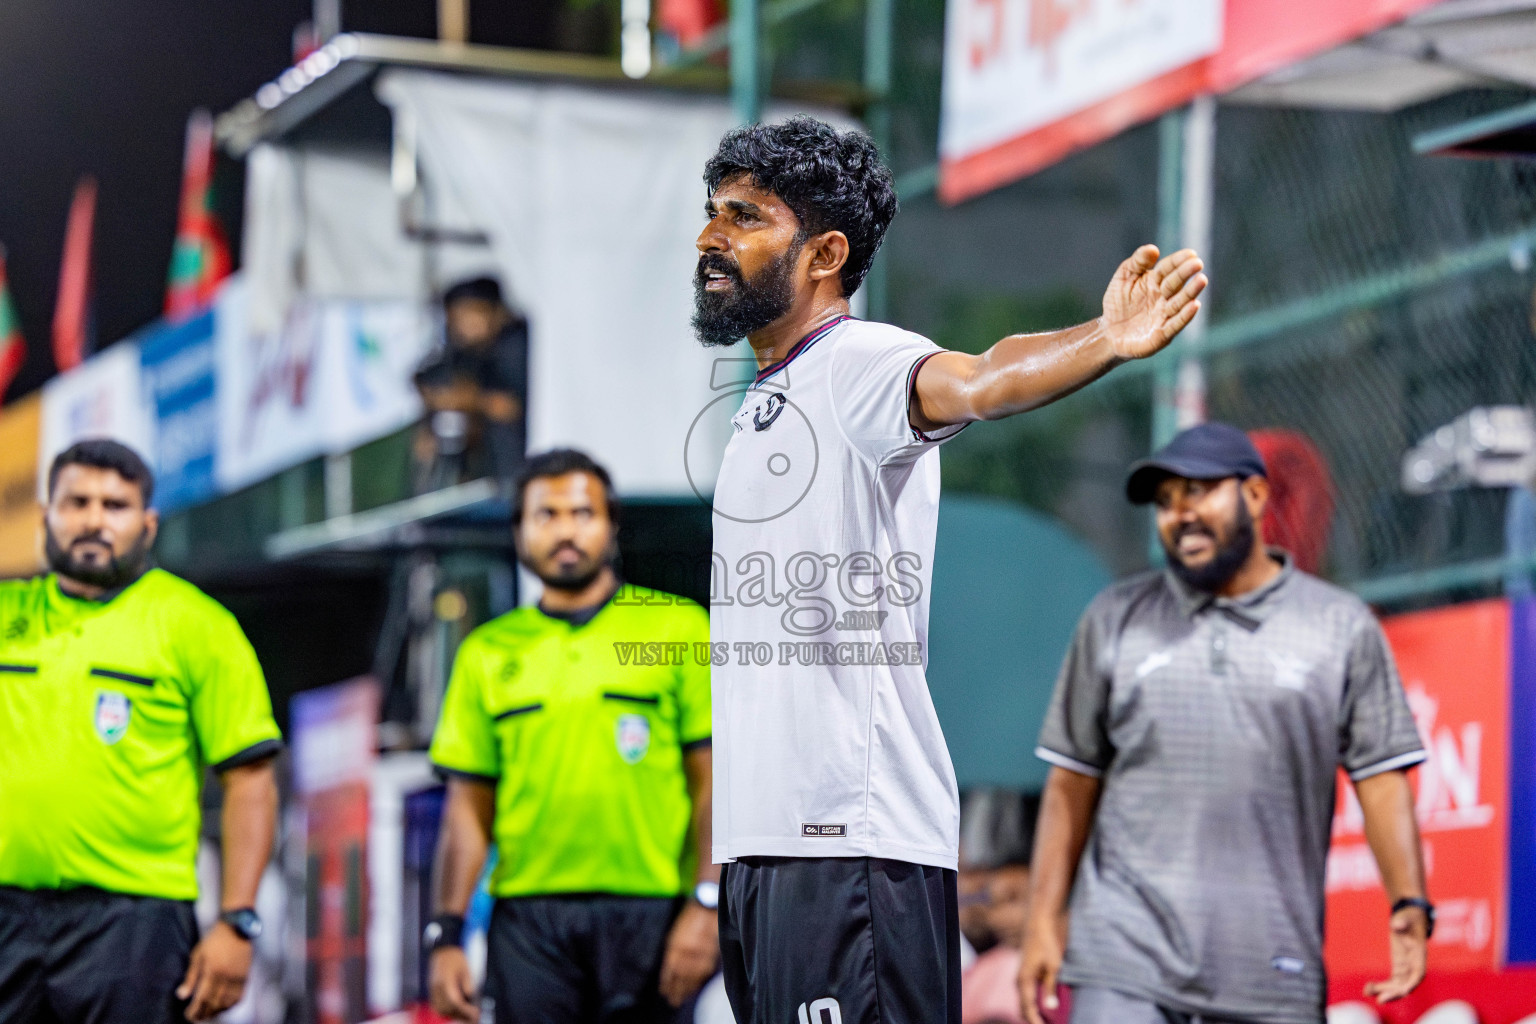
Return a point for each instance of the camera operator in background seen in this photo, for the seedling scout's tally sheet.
(475, 389)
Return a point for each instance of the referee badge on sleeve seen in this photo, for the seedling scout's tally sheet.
(113, 711)
(633, 735)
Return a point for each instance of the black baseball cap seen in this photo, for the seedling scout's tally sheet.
(1210, 451)
(487, 289)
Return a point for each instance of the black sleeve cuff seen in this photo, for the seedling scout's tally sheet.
(250, 755)
(698, 744)
(446, 773)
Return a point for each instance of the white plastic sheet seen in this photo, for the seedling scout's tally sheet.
(592, 198)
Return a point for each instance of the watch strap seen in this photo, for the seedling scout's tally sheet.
(244, 921)
(1424, 905)
(444, 930)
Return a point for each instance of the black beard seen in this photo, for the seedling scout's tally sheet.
(577, 577)
(1229, 557)
(119, 570)
(724, 318)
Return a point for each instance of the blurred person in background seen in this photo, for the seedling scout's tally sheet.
(475, 389)
(575, 735)
(119, 683)
(1195, 735)
(989, 987)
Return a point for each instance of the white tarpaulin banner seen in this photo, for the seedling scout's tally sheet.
(323, 223)
(337, 374)
(102, 397)
(592, 199)
(1013, 68)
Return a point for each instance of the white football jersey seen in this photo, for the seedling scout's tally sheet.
(826, 743)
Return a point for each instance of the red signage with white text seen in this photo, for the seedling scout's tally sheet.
(1455, 667)
(1027, 82)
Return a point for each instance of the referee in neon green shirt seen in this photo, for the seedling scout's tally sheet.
(118, 683)
(575, 735)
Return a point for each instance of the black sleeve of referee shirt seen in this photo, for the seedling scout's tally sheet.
(1075, 734)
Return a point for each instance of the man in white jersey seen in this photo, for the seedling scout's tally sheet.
(836, 808)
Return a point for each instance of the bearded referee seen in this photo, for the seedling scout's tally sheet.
(836, 809)
(119, 683)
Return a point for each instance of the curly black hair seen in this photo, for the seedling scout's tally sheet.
(832, 180)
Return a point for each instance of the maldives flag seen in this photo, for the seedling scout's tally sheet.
(72, 310)
(13, 350)
(200, 258)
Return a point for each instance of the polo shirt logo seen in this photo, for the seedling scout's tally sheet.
(633, 737)
(16, 628)
(113, 710)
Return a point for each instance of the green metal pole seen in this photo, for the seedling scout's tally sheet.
(879, 33)
(746, 61)
(1170, 226)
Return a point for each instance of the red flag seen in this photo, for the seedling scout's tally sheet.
(689, 20)
(13, 349)
(71, 313)
(200, 258)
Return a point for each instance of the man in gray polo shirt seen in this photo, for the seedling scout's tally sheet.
(1195, 736)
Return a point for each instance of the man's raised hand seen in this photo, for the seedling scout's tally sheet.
(1149, 301)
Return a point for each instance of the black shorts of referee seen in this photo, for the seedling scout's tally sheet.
(840, 940)
(84, 956)
(593, 959)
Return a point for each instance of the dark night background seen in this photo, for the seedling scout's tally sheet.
(105, 86)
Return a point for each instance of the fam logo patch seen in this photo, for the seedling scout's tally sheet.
(113, 710)
(633, 736)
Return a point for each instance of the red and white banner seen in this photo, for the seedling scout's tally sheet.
(1027, 82)
(1455, 667)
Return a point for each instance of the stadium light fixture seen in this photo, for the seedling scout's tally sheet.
(1489, 446)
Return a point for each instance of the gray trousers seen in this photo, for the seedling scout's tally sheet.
(1106, 1006)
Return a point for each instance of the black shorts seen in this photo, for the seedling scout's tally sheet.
(79, 955)
(579, 960)
(847, 940)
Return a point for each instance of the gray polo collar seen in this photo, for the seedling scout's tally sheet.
(1248, 610)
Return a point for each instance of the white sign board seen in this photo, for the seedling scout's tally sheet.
(335, 375)
(102, 397)
(1016, 67)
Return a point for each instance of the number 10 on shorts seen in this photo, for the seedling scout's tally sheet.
(822, 1011)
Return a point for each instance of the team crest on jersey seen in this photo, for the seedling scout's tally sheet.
(113, 710)
(769, 411)
(633, 735)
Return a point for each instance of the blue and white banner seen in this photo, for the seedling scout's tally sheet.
(179, 380)
(337, 374)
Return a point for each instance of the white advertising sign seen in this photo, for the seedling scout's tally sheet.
(335, 375)
(1012, 67)
(102, 397)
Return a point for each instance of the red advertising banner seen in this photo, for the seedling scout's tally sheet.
(1455, 667)
(334, 738)
(1027, 82)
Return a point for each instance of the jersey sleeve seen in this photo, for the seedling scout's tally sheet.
(464, 742)
(1075, 734)
(695, 722)
(1378, 733)
(231, 708)
(874, 371)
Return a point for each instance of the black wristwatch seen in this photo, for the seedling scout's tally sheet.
(443, 930)
(245, 922)
(1424, 905)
